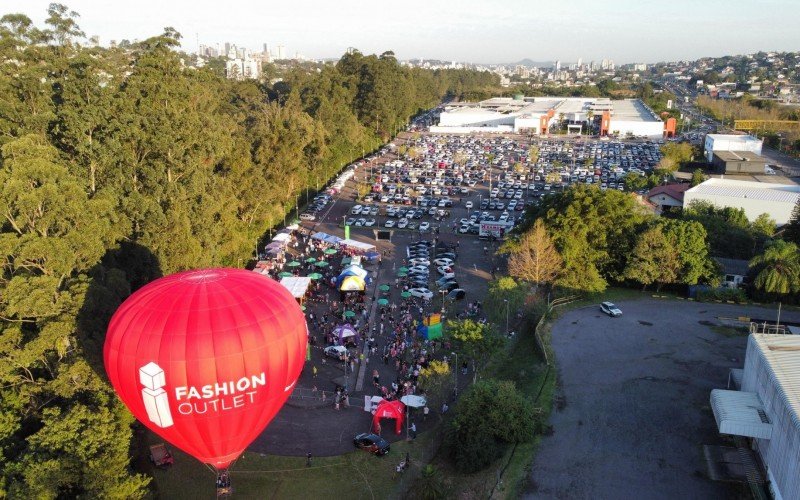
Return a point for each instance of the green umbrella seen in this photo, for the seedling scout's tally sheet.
(402, 274)
(285, 275)
(311, 260)
(315, 276)
(322, 263)
(405, 295)
(346, 261)
(384, 288)
(302, 308)
(383, 302)
(349, 314)
(293, 263)
(330, 251)
(402, 270)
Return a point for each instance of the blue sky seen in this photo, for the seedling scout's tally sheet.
(462, 30)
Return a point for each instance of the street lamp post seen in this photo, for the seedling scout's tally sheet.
(455, 374)
(443, 292)
(506, 301)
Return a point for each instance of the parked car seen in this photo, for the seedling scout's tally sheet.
(610, 309)
(389, 223)
(442, 261)
(372, 443)
(335, 351)
(456, 294)
(424, 226)
(423, 293)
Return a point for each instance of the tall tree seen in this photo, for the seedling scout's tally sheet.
(778, 268)
(653, 259)
(535, 258)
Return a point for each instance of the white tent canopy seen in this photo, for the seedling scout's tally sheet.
(297, 286)
(282, 237)
(357, 245)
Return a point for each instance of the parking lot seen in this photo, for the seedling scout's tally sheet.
(633, 409)
(455, 183)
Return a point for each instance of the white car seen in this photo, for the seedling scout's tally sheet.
(402, 223)
(419, 261)
(336, 351)
(389, 223)
(424, 226)
(369, 222)
(444, 269)
(463, 229)
(356, 210)
(422, 293)
(360, 222)
(443, 262)
(610, 309)
(468, 204)
(418, 268)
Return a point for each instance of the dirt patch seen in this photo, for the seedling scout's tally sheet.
(645, 323)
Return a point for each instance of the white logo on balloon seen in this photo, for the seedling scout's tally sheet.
(151, 376)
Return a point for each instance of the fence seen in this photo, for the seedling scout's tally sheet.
(538, 329)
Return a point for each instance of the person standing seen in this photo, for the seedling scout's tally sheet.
(413, 430)
(308, 459)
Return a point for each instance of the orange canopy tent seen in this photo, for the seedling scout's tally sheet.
(390, 409)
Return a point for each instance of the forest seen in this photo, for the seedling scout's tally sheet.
(119, 165)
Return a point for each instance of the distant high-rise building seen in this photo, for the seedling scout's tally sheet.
(227, 48)
(280, 55)
(580, 61)
(558, 65)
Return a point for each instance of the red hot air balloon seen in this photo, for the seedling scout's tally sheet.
(206, 358)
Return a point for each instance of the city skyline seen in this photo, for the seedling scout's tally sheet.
(626, 31)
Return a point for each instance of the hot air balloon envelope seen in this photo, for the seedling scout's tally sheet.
(206, 358)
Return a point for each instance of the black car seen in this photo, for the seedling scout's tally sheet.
(372, 444)
(456, 294)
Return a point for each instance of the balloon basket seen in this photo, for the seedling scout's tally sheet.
(224, 488)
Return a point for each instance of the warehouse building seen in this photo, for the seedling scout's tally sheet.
(541, 115)
(766, 409)
(738, 162)
(756, 198)
(731, 142)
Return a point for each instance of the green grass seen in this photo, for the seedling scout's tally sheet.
(730, 331)
(355, 475)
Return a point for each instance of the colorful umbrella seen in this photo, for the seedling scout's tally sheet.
(322, 263)
(330, 251)
(293, 263)
(315, 276)
(402, 270)
(285, 275)
(402, 274)
(383, 302)
(349, 314)
(405, 295)
(311, 260)
(384, 288)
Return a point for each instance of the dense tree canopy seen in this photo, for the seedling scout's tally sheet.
(118, 165)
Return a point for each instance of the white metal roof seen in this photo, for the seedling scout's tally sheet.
(782, 353)
(745, 189)
(740, 414)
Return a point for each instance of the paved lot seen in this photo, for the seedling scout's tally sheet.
(636, 392)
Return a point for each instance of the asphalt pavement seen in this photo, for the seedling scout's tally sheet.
(632, 409)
